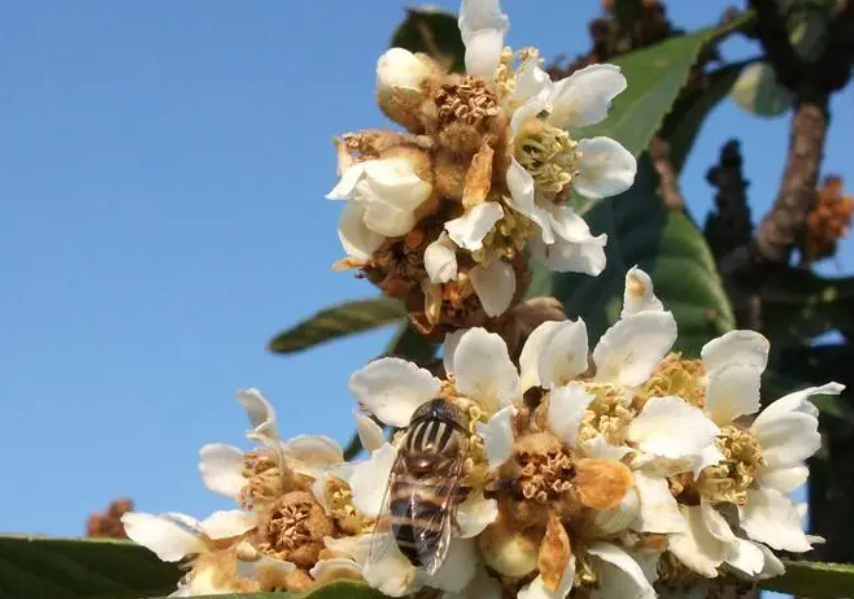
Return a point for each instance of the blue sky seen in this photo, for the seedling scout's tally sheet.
(162, 172)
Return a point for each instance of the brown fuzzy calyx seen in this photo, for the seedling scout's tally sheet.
(293, 528)
(541, 468)
(267, 479)
(467, 109)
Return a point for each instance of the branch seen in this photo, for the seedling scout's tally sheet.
(782, 228)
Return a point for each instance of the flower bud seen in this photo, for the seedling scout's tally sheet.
(507, 551)
(401, 77)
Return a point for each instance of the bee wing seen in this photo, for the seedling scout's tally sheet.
(382, 537)
(431, 552)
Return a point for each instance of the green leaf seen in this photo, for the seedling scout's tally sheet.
(338, 321)
(814, 579)
(342, 589)
(48, 568)
(655, 77)
(434, 32)
(798, 305)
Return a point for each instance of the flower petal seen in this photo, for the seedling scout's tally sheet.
(733, 391)
(696, 547)
(495, 286)
(392, 389)
(710, 456)
(567, 406)
(371, 434)
(772, 567)
(483, 27)
(484, 371)
(583, 98)
(746, 556)
(457, 570)
(395, 182)
(314, 451)
(165, 537)
(784, 480)
(440, 260)
(564, 353)
(747, 348)
(369, 479)
(605, 169)
(537, 589)
(531, 81)
(392, 574)
(659, 512)
(356, 238)
(567, 256)
(222, 469)
(449, 346)
(669, 427)
(530, 357)
(521, 186)
(618, 575)
(482, 586)
(386, 219)
(469, 230)
(617, 519)
(336, 568)
(599, 448)
(497, 435)
(772, 518)
(788, 439)
(630, 350)
(261, 415)
(226, 524)
(639, 295)
(797, 402)
(345, 188)
(398, 68)
(475, 514)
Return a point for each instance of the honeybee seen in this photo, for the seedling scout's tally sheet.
(424, 487)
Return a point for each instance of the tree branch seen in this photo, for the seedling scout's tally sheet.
(782, 227)
(668, 182)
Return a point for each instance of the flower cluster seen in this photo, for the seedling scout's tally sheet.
(439, 215)
(603, 472)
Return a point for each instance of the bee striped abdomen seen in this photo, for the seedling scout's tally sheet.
(424, 481)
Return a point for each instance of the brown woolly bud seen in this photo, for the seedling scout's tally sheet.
(507, 551)
(451, 170)
(293, 528)
(554, 553)
(467, 110)
(404, 80)
(601, 484)
(478, 181)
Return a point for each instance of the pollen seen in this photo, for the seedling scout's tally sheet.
(729, 480)
(293, 529)
(340, 506)
(507, 73)
(601, 484)
(543, 469)
(677, 377)
(467, 111)
(267, 480)
(608, 415)
(548, 154)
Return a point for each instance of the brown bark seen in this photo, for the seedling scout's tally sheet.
(782, 227)
(668, 182)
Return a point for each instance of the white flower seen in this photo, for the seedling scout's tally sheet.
(383, 195)
(628, 352)
(601, 166)
(175, 537)
(483, 27)
(221, 465)
(787, 433)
